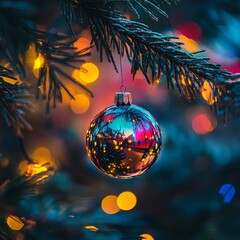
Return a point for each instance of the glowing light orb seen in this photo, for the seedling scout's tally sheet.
(189, 44)
(203, 124)
(42, 155)
(82, 43)
(146, 236)
(109, 205)
(81, 104)
(89, 72)
(126, 201)
(15, 223)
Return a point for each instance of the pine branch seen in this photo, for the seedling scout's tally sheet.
(14, 26)
(56, 52)
(12, 102)
(22, 187)
(152, 53)
(151, 7)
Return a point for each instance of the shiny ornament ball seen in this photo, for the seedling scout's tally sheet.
(123, 140)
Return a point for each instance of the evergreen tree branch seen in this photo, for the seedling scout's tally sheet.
(56, 52)
(12, 102)
(151, 7)
(152, 53)
(14, 26)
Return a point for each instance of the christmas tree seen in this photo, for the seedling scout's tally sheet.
(61, 62)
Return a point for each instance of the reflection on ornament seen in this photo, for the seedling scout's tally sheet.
(123, 140)
(15, 223)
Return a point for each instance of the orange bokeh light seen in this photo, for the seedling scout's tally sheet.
(109, 205)
(82, 43)
(80, 104)
(15, 223)
(189, 44)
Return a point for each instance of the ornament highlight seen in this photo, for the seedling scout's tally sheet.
(123, 140)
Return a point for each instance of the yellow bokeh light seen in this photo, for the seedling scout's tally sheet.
(126, 201)
(38, 63)
(146, 236)
(189, 44)
(42, 155)
(109, 204)
(89, 72)
(15, 223)
(82, 43)
(92, 228)
(207, 93)
(76, 76)
(66, 99)
(80, 104)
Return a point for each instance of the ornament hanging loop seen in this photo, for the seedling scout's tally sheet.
(123, 88)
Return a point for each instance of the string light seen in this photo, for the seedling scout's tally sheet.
(207, 93)
(34, 169)
(38, 63)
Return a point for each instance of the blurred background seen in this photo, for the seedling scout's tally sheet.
(178, 198)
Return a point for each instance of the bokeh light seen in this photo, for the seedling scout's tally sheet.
(76, 75)
(80, 104)
(15, 223)
(37, 65)
(126, 201)
(92, 228)
(189, 44)
(146, 236)
(82, 43)
(207, 93)
(109, 205)
(42, 155)
(89, 72)
(190, 29)
(203, 123)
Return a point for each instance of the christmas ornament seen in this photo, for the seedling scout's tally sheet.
(123, 140)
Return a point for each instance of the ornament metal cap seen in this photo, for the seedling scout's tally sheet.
(123, 98)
